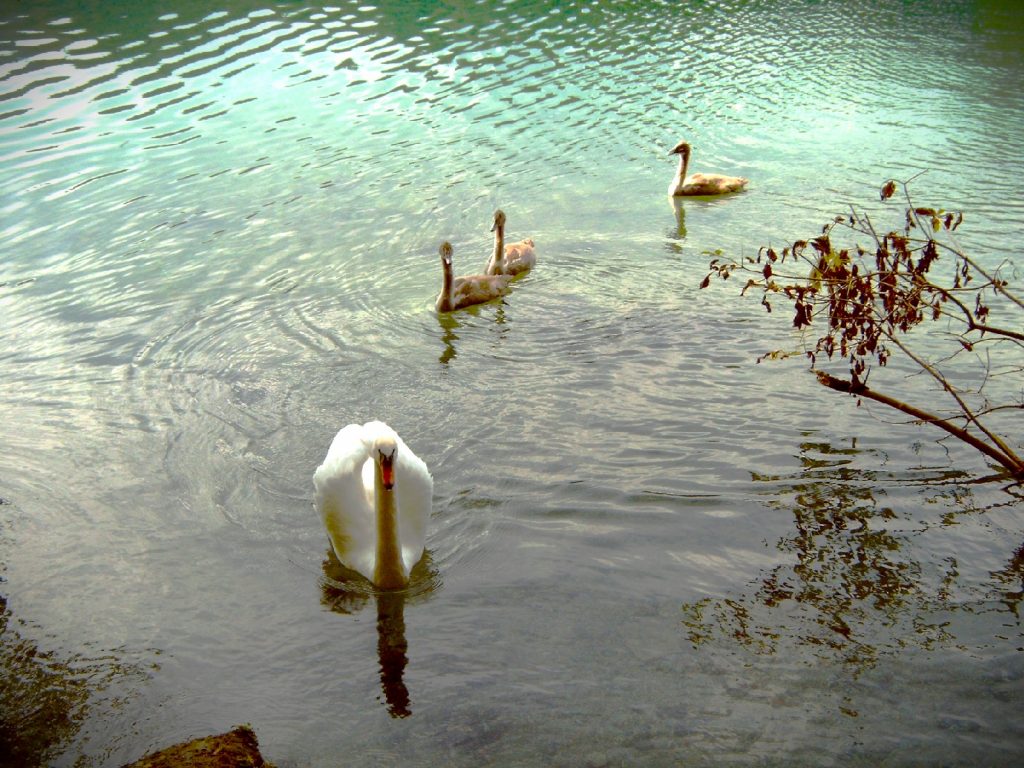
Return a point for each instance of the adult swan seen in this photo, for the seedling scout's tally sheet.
(374, 494)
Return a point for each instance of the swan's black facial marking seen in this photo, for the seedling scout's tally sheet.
(387, 467)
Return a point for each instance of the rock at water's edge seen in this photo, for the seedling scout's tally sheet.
(236, 749)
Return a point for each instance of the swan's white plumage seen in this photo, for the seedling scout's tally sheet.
(345, 497)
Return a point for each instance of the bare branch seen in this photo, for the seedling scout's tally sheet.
(1011, 463)
(964, 408)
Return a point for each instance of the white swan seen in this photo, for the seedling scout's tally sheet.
(510, 259)
(700, 183)
(374, 495)
(466, 290)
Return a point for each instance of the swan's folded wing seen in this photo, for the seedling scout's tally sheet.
(341, 499)
(415, 488)
(520, 256)
(476, 289)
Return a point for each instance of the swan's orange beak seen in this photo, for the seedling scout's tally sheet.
(387, 471)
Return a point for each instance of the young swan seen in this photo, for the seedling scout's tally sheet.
(466, 290)
(509, 259)
(700, 183)
(374, 495)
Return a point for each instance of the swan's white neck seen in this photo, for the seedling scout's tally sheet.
(389, 570)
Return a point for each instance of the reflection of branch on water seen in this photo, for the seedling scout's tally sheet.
(347, 593)
(42, 701)
(1012, 576)
(45, 700)
(851, 589)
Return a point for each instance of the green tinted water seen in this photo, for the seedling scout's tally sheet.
(220, 231)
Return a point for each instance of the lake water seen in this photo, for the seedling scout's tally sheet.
(220, 233)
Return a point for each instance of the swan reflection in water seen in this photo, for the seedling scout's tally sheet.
(680, 211)
(344, 592)
(392, 652)
(449, 323)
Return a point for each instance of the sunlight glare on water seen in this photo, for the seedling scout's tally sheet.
(220, 245)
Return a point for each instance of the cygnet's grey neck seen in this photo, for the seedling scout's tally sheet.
(499, 244)
(684, 160)
(447, 281)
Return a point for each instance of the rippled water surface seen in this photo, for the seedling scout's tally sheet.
(219, 245)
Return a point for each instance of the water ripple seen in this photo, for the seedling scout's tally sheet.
(221, 236)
